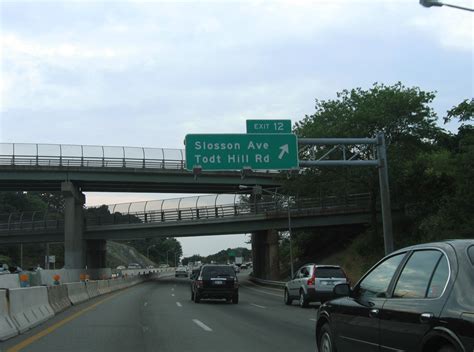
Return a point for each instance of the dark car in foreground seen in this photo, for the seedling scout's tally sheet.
(419, 298)
(215, 281)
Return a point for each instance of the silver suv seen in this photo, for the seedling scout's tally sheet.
(314, 283)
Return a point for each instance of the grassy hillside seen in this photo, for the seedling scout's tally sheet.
(121, 254)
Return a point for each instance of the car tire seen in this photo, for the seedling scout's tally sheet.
(447, 348)
(235, 299)
(325, 339)
(287, 298)
(303, 301)
(197, 299)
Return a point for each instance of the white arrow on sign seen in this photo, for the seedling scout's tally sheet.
(284, 149)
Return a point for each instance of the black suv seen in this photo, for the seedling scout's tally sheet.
(215, 281)
(419, 298)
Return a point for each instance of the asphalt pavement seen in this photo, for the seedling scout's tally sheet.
(160, 316)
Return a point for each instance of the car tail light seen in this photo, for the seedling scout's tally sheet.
(199, 281)
(311, 281)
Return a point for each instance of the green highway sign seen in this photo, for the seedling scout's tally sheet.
(268, 126)
(241, 151)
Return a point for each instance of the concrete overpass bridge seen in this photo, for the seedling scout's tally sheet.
(194, 216)
(74, 169)
(43, 167)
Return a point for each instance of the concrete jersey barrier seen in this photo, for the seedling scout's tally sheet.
(29, 307)
(7, 327)
(103, 286)
(9, 281)
(92, 288)
(77, 292)
(58, 298)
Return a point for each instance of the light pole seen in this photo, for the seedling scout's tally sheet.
(148, 251)
(436, 3)
(256, 190)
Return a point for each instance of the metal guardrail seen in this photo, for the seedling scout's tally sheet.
(35, 221)
(66, 155)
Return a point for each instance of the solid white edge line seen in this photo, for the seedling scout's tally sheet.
(202, 325)
(179, 304)
(312, 319)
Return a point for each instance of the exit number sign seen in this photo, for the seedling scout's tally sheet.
(268, 126)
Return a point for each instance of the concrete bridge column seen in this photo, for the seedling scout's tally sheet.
(258, 253)
(272, 269)
(74, 244)
(265, 254)
(95, 255)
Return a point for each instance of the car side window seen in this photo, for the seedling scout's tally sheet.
(440, 277)
(470, 253)
(416, 275)
(304, 272)
(376, 283)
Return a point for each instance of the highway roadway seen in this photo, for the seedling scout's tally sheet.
(160, 316)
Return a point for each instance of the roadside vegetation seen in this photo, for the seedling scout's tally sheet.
(430, 173)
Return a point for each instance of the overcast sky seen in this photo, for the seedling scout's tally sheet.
(147, 73)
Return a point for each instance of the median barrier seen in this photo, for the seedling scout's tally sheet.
(7, 327)
(29, 307)
(9, 281)
(92, 288)
(103, 286)
(77, 292)
(58, 298)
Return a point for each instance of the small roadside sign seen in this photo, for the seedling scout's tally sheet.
(268, 126)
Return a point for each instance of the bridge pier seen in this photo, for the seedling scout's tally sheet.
(74, 243)
(265, 254)
(96, 252)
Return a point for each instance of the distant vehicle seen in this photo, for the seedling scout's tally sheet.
(15, 269)
(243, 266)
(164, 266)
(134, 266)
(150, 267)
(181, 271)
(238, 261)
(215, 281)
(121, 267)
(314, 283)
(418, 298)
(3, 271)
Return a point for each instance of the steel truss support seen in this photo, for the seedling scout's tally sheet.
(342, 155)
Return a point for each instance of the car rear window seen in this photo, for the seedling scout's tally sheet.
(217, 271)
(329, 272)
(470, 253)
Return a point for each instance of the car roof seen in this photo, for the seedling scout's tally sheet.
(457, 244)
(323, 266)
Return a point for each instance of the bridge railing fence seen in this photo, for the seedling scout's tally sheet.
(44, 220)
(65, 155)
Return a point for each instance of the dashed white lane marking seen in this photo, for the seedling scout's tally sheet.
(267, 293)
(312, 319)
(178, 304)
(257, 305)
(145, 304)
(172, 294)
(202, 325)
